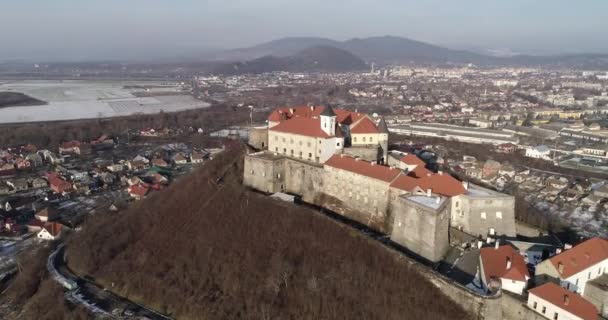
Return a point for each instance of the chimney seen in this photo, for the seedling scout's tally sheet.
(357, 159)
(560, 267)
(291, 110)
(440, 172)
(429, 192)
(465, 184)
(372, 163)
(566, 299)
(341, 155)
(312, 108)
(496, 244)
(508, 263)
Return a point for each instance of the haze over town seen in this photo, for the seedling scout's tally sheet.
(281, 159)
(148, 30)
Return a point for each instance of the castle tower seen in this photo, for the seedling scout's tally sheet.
(328, 121)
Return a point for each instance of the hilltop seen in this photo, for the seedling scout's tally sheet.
(207, 248)
(313, 59)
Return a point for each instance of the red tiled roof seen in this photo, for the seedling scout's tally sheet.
(365, 125)
(139, 190)
(412, 159)
(303, 126)
(581, 257)
(342, 116)
(362, 167)
(566, 300)
(442, 184)
(420, 172)
(494, 263)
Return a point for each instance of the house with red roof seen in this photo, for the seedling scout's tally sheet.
(503, 268)
(574, 267)
(70, 147)
(139, 191)
(315, 133)
(404, 161)
(58, 184)
(556, 303)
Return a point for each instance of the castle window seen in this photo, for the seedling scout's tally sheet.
(284, 150)
(457, 204)
(535, 305)
(276, 149)
(308, 144)
(338, 144)
(300, 142)
(292, 152)
(283, 139)
(363, 139)
(555, 316)
(483, 215)
(309, 155)
(300, 154)
(371, 139)
(498, 215)
(354, 139)
(544, 310)
(276, 138)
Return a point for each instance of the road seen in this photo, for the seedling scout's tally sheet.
(98, 297)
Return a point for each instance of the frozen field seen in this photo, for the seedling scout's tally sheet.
(70, 100)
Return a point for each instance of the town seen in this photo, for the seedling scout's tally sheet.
(340, 160)
(494, 179)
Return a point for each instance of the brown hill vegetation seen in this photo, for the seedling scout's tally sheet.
(34, 295)
(207, 248)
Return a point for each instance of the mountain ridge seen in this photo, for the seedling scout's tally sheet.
(388, 50)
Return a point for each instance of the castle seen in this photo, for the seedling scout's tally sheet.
(339, 160)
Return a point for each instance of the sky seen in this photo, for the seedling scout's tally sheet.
(128, 29)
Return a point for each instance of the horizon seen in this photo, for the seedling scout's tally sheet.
(157, 29)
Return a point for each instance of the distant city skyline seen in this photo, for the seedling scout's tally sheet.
(149, 29)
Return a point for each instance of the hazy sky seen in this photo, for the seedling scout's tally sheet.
(94, 29)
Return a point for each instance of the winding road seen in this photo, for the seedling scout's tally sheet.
(98, 300)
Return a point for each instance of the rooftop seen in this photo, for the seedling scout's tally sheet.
(362, 167)
(581, 257)
(566, 300)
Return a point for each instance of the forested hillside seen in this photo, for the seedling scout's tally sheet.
(206, 248)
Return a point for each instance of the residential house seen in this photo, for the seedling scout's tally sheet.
(196, 157)
(139, 191)
(159, 162)
(70, 147)
(6, 168)
(47, 214)
(556, 303)
(180, 159)
(539, 152)
(18, 185)
(51, 231)
(502, 267)
(38, 183)
(57, 184)
(574, 267)
(115, 167)
(22, 164)
(506, 148)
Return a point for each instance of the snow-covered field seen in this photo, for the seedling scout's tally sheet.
(70, 100)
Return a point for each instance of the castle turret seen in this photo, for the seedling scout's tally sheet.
(328, 121)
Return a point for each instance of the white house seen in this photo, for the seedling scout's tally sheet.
(50, 231)
(539, 152)
(502, 267)
(573, 268)
(556, 303)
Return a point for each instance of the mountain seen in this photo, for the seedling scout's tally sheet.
(387, 50)
(278, 48)
(208, 248)
(313, 59)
